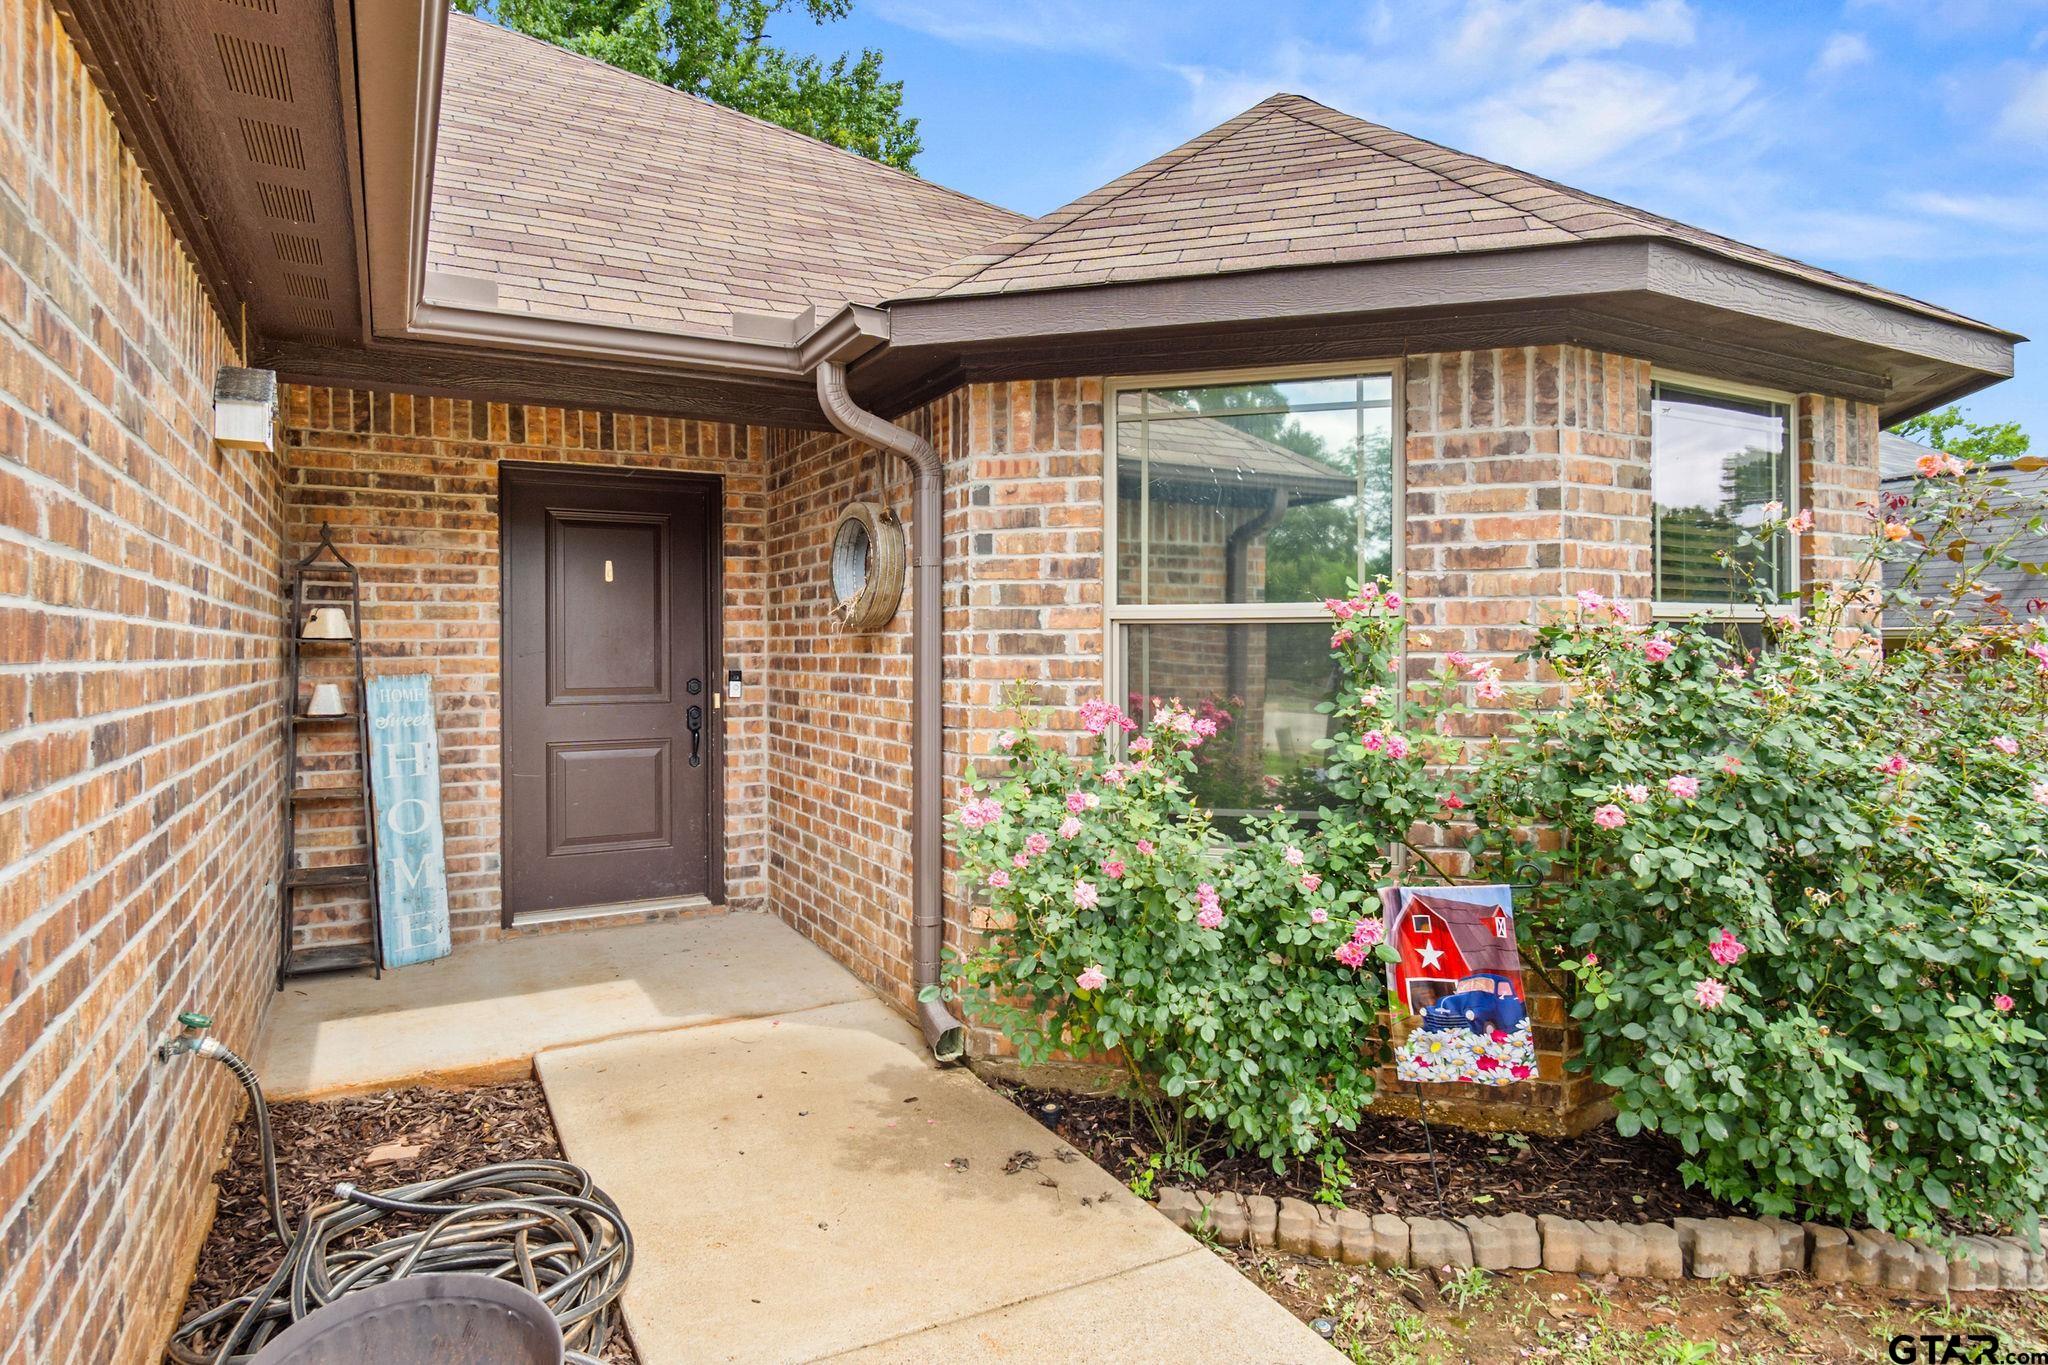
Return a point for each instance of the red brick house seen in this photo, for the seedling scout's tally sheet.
(532, 315)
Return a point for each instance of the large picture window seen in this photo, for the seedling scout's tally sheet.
(1717, 462)
(1238, 507)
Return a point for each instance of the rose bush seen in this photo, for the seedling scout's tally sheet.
(1235, 988)
(1804, 893)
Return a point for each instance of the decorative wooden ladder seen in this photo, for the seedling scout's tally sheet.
(316, 583)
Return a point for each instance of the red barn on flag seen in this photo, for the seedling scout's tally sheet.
(1447, 937)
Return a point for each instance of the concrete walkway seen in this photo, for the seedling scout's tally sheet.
(802, 1182)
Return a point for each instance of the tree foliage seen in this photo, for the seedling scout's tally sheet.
(720, 50)
(1947, 429)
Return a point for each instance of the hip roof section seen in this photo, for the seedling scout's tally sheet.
(587, 193)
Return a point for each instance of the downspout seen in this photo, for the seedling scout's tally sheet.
(943, 1033)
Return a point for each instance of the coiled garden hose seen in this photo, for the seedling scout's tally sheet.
(542, 1224)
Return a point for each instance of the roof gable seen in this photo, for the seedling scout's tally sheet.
(585, 192)
(1291, 182)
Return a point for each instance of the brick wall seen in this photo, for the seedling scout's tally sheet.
(140, 682)
(410, 487)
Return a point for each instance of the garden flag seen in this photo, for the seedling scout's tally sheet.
(1459, 974)
(405, 792)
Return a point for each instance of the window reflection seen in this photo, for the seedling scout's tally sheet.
(1717, 463)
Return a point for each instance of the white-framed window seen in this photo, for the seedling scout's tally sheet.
(1236, 503)
(1720, 456)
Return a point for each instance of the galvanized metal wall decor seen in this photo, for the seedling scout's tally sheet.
(405, 789)
(867, 566)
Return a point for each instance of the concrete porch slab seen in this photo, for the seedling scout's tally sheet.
(485, 1010)
(810, 1184)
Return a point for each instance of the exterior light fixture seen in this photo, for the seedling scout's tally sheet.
(245, 408)
(867, 566)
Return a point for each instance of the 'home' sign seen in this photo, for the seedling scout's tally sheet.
(405, 790)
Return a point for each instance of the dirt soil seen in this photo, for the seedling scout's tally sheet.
(1399, 1317)
(321, 1143)
(1597, 1175)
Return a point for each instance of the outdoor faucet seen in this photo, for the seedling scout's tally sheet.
(192, 1038)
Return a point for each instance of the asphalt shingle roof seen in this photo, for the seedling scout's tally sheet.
(588, 193)
(1291, 182)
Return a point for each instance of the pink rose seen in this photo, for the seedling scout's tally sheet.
(1093, 979)
(1731, 765)
(999, 879)
(1392, 601)
(1113, 868)
(1373, 741)
(1310, 881)
(1636, 792)
(1142, 744)
(2006, 745)
(1007, 739)
(1709, 993)
(1294, 856)
(1610, 816)
(1657, 649)
(1397, 747)
(1021, 860)
(1145, 847)
(2041, 793)
(1070, 826)
(981, 813)
(1894, 765)
(1368, 932)
(1451, 802)
(1317, 914)
(1085, 895)
(1211, 917)
(1590, 600)
(1727, 949)
(1351, 954)
(1489, 688)
(1340, 609)
(1682, 786)
(1591, 959)
(1341, 638)
(1035, 844)
(2002, 1003)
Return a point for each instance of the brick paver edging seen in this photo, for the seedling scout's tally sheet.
(1704, 1248)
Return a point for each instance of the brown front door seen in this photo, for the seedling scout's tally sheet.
(611, 747)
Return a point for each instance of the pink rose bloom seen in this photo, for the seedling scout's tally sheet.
(1036, 844)
(1317, 915)
(1112, 868)
(1206, 893)
(1080, 801)
(1657, 649)
(1294, 856)
(1610, 816)
(1451, 802)
(1007, 739)
(1636, 792)
(1368, 932)
(1311, 881)
(1342, 610)
(1393, 601)
(1397, 746)
(1457, 658)
(1482, 669)
(1142, 744)
(1489, 688)
(1802, 523)
(1893, 766)
(1021, 860)
(1116, 774)
(1731, 765)
(1350, 954)
(1205, 727)
(1211, 917)
(1094, 979)
(1591, 959)
(1373, 741)
(1145, 847)
(1339, 639)
(1683, 786)
(1709, 993)
(1085, 895)
(1590, 600)
(977, 814)
(2006, 745)
(999, 879)
(1727, 949)
(1069, 827)
(2041, 793)
(1618, 611)
(2002, 1003)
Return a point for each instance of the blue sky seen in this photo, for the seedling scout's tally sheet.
(1904, 142)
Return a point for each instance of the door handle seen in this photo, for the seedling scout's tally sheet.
(695, 715)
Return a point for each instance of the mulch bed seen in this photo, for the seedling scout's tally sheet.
(322, 1143)
(1598, 1175)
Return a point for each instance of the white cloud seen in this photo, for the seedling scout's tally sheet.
(1581, 117)
(1052, 25)
(1840, 52)
(2011, 212)
(2026, 114)
(1538, 30)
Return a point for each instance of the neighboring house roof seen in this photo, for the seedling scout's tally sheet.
(585, 192)
(2024, 494)
(1291, 182)
(1201, 456)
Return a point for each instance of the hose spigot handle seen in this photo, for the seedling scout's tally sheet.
(192, 1019)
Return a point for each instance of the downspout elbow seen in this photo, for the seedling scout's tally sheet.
(943, 1032)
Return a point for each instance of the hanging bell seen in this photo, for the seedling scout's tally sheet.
(327, 623)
